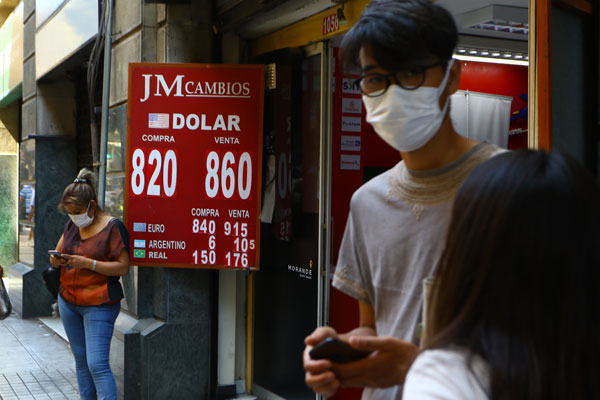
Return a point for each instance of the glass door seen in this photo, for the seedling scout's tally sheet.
(291, 289)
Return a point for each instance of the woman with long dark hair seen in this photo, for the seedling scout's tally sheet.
(514, 311)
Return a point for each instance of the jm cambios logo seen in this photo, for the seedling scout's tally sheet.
(156, 85)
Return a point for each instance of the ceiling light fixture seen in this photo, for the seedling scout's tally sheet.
(491, 60)
(473, 51)
(340, 15)
(497, 21)
(484, 53)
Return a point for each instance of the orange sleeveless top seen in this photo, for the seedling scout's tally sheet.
(84, 287)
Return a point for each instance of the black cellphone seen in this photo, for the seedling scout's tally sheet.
(56, 254)
(337, 351)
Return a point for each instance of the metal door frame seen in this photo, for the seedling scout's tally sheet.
(325, 49)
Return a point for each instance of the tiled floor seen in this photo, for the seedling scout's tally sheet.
(38, 385)
(35, 363)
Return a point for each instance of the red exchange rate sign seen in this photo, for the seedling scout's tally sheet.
(194, 160)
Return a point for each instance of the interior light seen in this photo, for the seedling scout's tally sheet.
(507, 55)
(527, 58)
(518, 56)
(473, 51)
(495, 54)
(491, 60)
(340, 15)
(461, 50)
(484, 53)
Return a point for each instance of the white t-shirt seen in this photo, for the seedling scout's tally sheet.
(447, 374)
(393, 240)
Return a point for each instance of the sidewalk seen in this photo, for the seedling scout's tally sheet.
(35, 363)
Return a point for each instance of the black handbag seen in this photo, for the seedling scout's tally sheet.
(5, 305)
(51, 277)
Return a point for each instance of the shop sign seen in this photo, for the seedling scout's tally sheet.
(351, 105)
(350, 162)
(349, 86)
(194, 159)
(350, 143)
(331, 24)
(351, 124)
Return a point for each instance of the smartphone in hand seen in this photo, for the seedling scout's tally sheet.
(56, 254)
(337, 351)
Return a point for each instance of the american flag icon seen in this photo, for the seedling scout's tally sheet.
(158, 121)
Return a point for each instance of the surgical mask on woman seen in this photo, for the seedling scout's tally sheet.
(408, 119)
(82, 220)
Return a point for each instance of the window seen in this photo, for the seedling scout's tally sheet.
(26, 200)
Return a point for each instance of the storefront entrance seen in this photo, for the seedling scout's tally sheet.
(291, 296)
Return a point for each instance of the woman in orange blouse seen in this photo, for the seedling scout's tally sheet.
(94, 254)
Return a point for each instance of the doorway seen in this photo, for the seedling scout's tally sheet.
(291, 297)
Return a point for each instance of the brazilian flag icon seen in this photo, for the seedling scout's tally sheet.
(138, 253)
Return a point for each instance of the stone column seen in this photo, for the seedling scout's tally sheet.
(170, 351)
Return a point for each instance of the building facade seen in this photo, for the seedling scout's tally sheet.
(201, 333)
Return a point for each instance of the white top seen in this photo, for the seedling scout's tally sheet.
(447, 374)
(393, 240)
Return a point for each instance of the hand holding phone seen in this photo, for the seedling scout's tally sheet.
(57, 254)
(337, 351)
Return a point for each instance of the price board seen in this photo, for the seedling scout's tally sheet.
(194, 161)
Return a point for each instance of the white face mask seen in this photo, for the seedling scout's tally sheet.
(407, 119)
(82, 220)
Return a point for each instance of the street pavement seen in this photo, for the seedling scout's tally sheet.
(35, 362)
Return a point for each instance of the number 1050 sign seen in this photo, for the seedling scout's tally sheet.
(193, 180)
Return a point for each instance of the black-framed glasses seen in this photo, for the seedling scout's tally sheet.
(374, 84)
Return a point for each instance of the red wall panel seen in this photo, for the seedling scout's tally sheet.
(504, 80)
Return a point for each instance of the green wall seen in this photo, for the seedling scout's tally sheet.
(9, 199)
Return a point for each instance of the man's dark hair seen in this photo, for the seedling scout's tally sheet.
(517, 281)
(401, 34)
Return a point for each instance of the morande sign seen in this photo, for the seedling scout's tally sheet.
(194, 159)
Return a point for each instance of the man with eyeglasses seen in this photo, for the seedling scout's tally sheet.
(396, 229)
